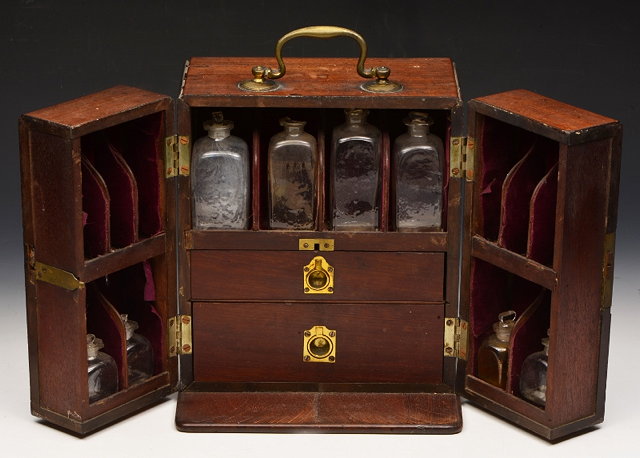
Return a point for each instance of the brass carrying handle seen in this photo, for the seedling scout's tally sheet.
(262, 74)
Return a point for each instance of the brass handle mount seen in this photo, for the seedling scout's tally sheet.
(263, 76)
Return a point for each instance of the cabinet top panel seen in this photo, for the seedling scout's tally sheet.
(429, 83)
(549, 117)
(99, 110)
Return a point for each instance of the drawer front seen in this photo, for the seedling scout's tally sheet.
(279, 275)
(374, 343)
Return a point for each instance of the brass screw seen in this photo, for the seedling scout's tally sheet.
(326, 245)
(332, 358)
(306, 269)
(456, 142)
(330, 289)
(306, 290)
(306, 245)
(186, 348)
(456, 171)
(332, 334)
(185, 320)
(307, 333)
(449, 322)
(330, 269)
(307, 357)
(449, 350)
(172, 350)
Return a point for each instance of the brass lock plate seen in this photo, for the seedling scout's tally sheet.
(319, 345)
(318, 277)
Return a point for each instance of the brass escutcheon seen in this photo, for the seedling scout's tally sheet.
(318, 277)
(319, 345)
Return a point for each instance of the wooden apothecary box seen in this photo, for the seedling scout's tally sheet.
(529, 223)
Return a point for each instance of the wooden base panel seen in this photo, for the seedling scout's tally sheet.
(331, 412)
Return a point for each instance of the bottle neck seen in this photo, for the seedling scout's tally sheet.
(219, 133)
(503, 334)
(293, 130)
(356, 117)
(418, 130)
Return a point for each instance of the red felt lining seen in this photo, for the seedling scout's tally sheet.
(517, 191)
(95, 208)
(494, 290)
(126, 290)
(502, 147)
(542, 215)
(139, 141)
(122, 188)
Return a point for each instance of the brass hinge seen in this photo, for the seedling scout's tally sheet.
(468, 158)
(177, 154)
(55, 276)
(180, 341)
(456, 336)
(456, 149)
(607, 270)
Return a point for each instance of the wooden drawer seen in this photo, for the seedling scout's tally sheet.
(263, 342)
(361, 276)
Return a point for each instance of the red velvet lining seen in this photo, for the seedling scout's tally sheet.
(513, 161)
(517, 191)
(104, 322)
(493, 291)
(140, 141)
(122, 188)
(542, 216)
(95, 207)
(126, 290)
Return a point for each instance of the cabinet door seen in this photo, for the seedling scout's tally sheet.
(541, 216)
(99, 243)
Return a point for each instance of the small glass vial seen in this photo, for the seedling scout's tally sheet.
(533, 376)
(220, 178)
(355, 174)
(418, 161)
(102, 372)
(139, 353)
(293, 158)
(493, 354)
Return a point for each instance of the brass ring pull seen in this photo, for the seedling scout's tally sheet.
(263, 76)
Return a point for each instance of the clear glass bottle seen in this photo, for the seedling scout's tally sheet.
(493, 354)
(220, 180)
(418, 161)
(102, 370)
(139, 353)
(355, 174)
(533, 376)
(293, 158)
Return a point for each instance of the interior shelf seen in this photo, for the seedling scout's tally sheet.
(513, 262)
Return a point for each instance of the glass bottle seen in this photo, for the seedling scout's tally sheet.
(102, 372)
(493, 354)
(418, 161)
(355, 175)
(293, 158)
(139, 353)
(533, 376)
(220, 178)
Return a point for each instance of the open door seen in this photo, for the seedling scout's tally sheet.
(541, 218)
(99, 243)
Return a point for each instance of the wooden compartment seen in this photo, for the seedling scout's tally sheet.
(107, 214)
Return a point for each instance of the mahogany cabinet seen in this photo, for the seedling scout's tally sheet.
(528, 224)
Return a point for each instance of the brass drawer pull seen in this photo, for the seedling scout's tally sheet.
(318, 277)
(263, 76)
(319, 345)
